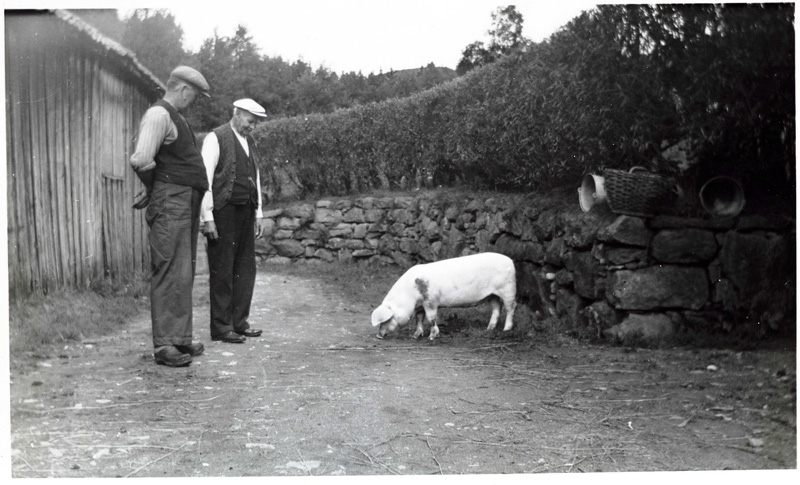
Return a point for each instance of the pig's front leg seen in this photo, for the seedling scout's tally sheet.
(420, 330)
(434, 331)
(430, 314)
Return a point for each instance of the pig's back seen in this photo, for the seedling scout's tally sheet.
(465, 280)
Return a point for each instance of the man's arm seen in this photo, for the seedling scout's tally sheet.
(155, 129)
(259, 212)
(210, 152)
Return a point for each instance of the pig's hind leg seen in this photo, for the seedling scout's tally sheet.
(495, 302)
(510, 305)
(509, 297)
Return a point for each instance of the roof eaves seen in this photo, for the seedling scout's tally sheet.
(114, 48)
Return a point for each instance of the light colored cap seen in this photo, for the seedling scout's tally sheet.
(193, 77)
(248, 104)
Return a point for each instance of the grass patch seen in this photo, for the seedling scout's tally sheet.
(73, 315)
(531, 326)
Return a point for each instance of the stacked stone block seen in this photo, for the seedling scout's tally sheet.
(611, 274)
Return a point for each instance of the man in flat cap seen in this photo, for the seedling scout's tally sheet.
(231, 215)
(169, 164)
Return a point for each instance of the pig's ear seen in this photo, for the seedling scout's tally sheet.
(381, 314)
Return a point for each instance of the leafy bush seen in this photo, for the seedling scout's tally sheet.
(614, 88)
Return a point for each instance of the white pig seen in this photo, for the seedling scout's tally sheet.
(463, 281)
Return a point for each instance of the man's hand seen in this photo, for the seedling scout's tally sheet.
(259, 228)
(141, 200)
(210, 230)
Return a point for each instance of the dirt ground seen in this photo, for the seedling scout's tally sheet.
(319, 395)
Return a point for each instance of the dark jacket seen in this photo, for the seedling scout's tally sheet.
(180, 162)
(235, 175)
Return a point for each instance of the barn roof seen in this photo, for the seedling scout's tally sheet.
(115, 52)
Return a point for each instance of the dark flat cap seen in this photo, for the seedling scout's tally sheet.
(193, 77)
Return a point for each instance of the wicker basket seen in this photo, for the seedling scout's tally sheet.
(636, 192)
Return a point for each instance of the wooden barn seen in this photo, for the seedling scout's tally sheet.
(74, 99)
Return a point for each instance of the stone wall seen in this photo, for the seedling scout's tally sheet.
(615, 275)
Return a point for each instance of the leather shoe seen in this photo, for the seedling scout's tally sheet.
(231, 337)
(170, 356)
(194, 349)
(250, 332)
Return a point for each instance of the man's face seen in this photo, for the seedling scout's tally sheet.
(244, 122)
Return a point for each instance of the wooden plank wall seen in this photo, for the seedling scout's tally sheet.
(71, 120)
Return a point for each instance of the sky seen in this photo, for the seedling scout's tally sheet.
(367, 36)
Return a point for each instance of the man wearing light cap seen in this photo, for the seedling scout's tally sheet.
(231, 215)
(170, 166)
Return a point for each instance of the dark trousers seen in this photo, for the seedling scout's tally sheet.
(232, 268)
(174, 219)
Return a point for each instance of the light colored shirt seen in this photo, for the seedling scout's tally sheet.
(155, 129)
(210, 154)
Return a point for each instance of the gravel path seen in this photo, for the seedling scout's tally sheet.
(318, 394)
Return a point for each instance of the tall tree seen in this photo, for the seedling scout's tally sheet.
(105, 20)
(474, 55)
(506, 33)
(234, 69)
(156, 40)
(505, 37)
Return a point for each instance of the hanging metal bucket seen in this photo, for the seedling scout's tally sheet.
(592, 191)
(722, 197)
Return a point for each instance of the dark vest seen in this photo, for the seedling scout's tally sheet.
(180, 162)
(235, 175)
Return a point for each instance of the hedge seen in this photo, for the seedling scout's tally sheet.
(613, 88)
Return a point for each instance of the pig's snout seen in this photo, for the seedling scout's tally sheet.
(386, 327)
